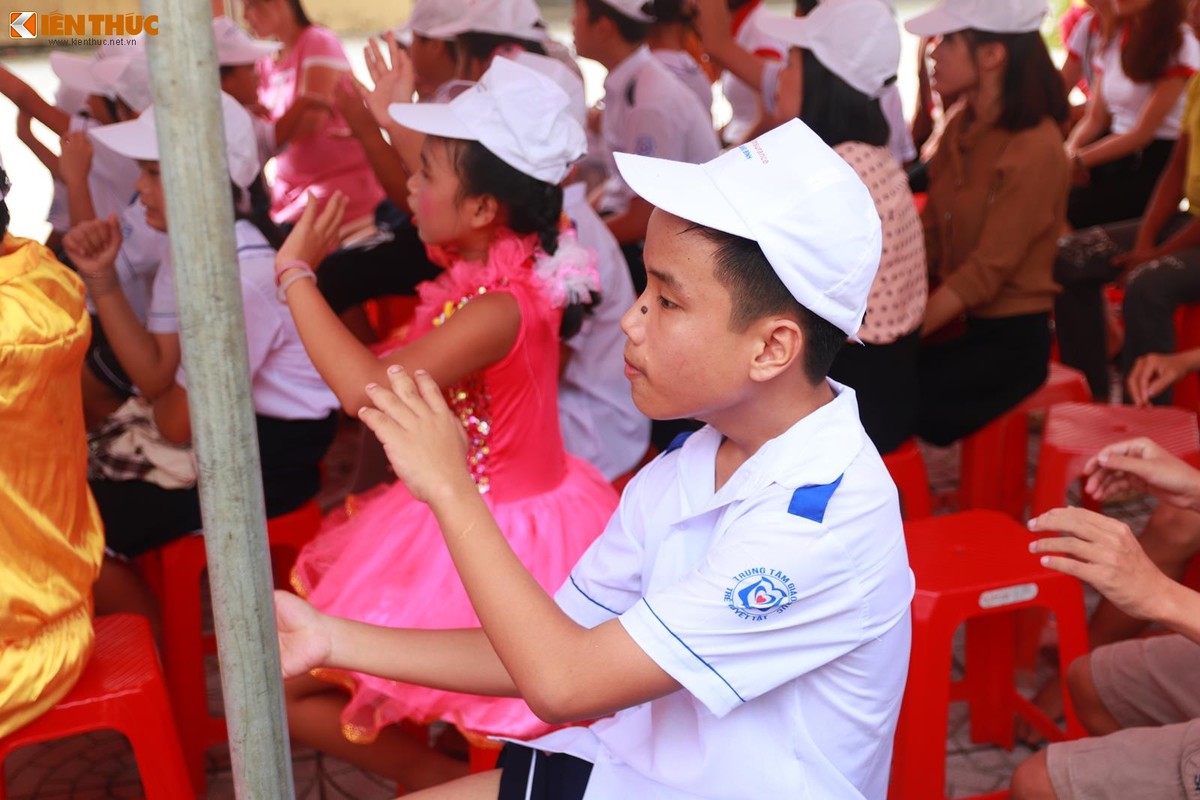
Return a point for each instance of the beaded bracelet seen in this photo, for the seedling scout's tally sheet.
(299, 275)
(295, 263)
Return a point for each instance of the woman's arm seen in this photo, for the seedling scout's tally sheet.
(75, 164)
(1071, 72)
(479, 334)
(1118, 145)
(44, 154)
(150, 359)
(171, 415)
(26, 99)
(1095, 122)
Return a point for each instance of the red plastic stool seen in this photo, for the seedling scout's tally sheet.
(121, 689)
(907, 468)
(1075, 432)
(1186, 394)
(180, 566)
(994, 459)
(975, 567)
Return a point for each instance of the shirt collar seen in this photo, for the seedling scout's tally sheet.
(620, 75)
(827, 440)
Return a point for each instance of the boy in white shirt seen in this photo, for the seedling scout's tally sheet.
(744, 617)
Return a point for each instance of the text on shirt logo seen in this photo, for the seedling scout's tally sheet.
(760, 592)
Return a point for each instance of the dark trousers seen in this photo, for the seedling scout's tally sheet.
(884, 378)
(1152, 293)
(1120, 189)
(971, 379)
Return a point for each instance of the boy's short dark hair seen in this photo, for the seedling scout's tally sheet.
(757, 292)
(481, 46)
(631, 30)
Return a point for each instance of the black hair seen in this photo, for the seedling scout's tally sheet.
(533, 205)
(631, 30)
(480, 46)
(257, 211)
(670, 11)
(451, 45)
(1033, 89)
(836, 111)
(298, 10)
(803, 7)
(756, 292)
(5, 185)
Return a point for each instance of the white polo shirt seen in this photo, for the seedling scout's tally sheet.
(599, 421)
(650, 112)
(283, 380)
(780, 603)
(686, 68)
(744, 98)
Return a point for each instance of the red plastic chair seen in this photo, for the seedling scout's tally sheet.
(176, 571)
(1075, 432)
(994, 459)
(975, 567)
(121, 689)
(1186, 394)
(907, 468)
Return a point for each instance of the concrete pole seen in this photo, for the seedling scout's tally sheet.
(183, 69)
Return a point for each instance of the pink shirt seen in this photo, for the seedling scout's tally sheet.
(326, 161)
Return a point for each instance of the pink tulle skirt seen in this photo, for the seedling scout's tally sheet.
(387, 564)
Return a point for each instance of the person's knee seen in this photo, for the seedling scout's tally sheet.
(1089, 708)
(1146, 293)
(1031, 780)
(1172, 532)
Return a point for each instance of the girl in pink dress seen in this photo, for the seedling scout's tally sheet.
(488, 207)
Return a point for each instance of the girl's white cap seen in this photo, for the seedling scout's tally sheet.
(76, 71)
(519, 19)
(138, 139)
(858, 40)
(127, 79)
(788, 191)
(433, 15)
(517, 113)
(640, 10)
(561, 74)
(993, 16)
(235, 47)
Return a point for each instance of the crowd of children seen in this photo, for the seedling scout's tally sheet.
(763, 308)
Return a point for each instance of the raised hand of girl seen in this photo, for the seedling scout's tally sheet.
(315, 234)
(92, 247)
(393, 78)
(422, 437)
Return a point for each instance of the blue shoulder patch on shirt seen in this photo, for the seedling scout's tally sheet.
(678, 441)
(810, 502)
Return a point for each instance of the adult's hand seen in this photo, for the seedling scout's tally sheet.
(1142, 465)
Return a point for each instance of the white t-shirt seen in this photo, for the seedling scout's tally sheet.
(780, 603)
(1084, 44)
(284, 382)
(649, 112)
(599, 421)
(683, 66)
(1125, 99)
(743, 98)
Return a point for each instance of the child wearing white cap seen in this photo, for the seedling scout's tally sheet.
(647, 111)
(293, 407)
(848, 52)
(673, 40)
(488, 206)
(749, 600)
(997, 204)
(434, 57)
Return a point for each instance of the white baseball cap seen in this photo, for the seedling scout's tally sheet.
(788, 191)
(993, 16)
(520, 19)
(138, 139)
(432, 15)
(640, 10)
(235, 47)
(517, 113)
(858, 40)
(126, 78)
(561, 74)
(76, 71)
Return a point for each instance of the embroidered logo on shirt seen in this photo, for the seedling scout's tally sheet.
(760, 592)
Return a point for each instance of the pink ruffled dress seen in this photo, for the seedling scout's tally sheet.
(387, 564)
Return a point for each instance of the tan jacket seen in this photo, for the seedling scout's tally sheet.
(997, 205)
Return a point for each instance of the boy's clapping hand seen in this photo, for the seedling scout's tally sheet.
(92, 247)
(424, 440)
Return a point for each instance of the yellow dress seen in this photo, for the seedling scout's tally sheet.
(51, 539)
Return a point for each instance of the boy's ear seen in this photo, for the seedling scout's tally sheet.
(780, 345)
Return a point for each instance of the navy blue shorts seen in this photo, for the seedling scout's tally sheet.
(529, 774)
